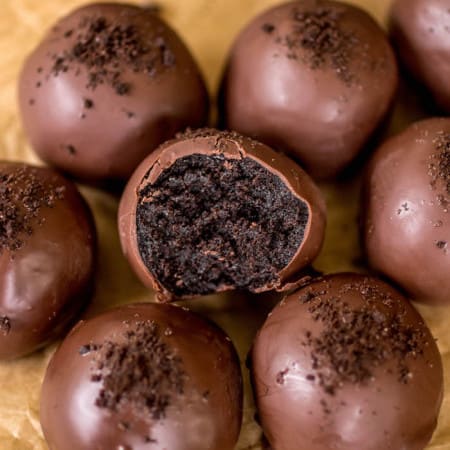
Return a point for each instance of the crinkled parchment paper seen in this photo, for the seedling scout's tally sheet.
(208, 26)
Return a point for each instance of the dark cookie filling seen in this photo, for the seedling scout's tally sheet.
(209, 221)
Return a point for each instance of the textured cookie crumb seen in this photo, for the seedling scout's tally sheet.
(23, 196)
(142, 372)
(317, 39)
(106, 49)
(355, 341)
(439, 168)
(5, 325)
(210, 221)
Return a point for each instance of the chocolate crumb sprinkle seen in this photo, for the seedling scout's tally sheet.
(268, 28)
(86, 349)
(88, 103)
(355, 341)
(5, 325)
(107, 49)
(439, 167)
(123, 426)
(71, 149)
(441, 245)
(22, 197)
(318, 34)
(142, 372)
(122, 88)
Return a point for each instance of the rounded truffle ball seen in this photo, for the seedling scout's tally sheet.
(312, 78)
(47, 257)
(107, 85)
(145, 377)
(405, 209)
(420, 32)
(344, 363)
(212, 211)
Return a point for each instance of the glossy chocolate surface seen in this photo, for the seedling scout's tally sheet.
(233, 149)
(47, 257)
(105, 87)
(405, 209)
(141, 377)
(312, 78)
(344, 363)
(420, 32)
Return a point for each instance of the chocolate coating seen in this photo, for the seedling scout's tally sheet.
(47, 257)
(406, 225)
(312, 78)
(420, 31)
(344, 363)
(143, 376)
(105, 87)
(239, 216)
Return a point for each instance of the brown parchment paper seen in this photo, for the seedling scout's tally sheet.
(209, 27)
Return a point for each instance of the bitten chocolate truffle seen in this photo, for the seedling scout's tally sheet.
(143, 377)
(420, 31)
(405, 210)
(105, 87)
(312, 78)
(47, 257)
(212, 211)
(346, 362)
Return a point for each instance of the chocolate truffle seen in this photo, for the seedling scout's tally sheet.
(105, 87)
(312, 78)
(420, 31)
(47, 257)
(143, 376)
(212, 211)
(405, 209)
(346, 363)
